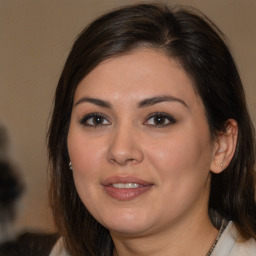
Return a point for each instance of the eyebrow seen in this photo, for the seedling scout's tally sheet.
(98, 102)
(159, 99)
(144, 103)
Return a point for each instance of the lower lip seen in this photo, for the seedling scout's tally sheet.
(125, 194)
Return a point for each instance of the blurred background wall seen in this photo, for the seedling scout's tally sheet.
(35, 38)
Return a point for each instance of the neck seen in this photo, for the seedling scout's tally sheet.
(190, 238)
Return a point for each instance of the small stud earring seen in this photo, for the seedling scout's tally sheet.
(221, 165)
(70, 166)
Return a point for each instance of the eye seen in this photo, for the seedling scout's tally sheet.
(160, 120)
(94, 120)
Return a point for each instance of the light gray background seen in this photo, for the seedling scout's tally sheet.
(35, 38)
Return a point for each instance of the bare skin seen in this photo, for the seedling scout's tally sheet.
(138, 122)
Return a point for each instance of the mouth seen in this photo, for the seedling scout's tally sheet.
(125, 188)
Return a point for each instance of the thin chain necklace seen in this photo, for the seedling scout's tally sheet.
(222, 228)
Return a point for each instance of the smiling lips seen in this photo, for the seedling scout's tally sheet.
(125, 188)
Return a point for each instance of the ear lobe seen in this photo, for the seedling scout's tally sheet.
(225, 146)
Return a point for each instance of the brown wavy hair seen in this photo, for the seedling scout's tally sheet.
(192, 39)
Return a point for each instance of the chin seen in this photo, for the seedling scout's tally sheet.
(128, 230)
(128, 224)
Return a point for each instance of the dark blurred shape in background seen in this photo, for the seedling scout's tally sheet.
(11, 189)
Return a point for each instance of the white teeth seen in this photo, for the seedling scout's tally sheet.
(125, 185)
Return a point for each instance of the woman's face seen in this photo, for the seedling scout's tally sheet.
(139, 144)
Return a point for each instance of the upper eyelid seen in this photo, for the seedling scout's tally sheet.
(159, 114)
(170, 117)
(151, 115)
(94, 114)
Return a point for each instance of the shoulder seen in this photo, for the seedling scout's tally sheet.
(247, 248)
(230, 245)
(59, 249)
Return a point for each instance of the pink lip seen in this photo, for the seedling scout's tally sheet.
(125, 194)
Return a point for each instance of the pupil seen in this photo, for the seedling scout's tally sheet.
(98, 120)
(159, 120)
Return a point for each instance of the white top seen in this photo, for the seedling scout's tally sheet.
(228, 245)
(59, 249)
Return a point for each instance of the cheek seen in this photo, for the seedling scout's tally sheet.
(86, 158)
(84, 155)
(183, 170)
(180, 156)
(169, 153)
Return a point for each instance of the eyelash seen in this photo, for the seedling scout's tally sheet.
(93, 117)
(165, 117)
(103, 120)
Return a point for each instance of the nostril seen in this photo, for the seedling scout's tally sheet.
(130, 160)
(123, 161)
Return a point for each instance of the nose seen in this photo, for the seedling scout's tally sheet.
(125, 147)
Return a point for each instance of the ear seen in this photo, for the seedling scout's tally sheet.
(224, 147)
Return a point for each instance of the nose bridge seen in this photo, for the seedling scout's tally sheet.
(125, 147)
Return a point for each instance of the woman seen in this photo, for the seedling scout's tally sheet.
(151, 145)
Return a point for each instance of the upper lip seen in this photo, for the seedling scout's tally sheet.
(125, 179)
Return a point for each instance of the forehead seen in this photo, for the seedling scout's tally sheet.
(136, 75)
